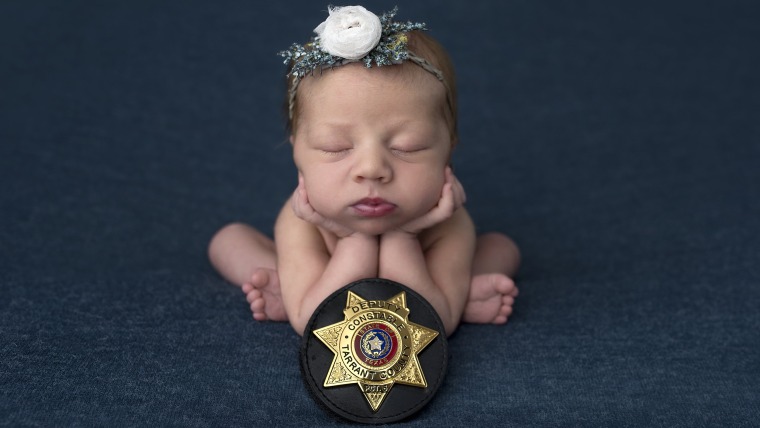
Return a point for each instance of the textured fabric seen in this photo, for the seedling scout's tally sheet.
(617, 143)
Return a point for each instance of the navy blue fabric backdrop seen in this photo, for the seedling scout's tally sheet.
(617, 143)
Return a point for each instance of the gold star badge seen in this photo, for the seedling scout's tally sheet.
(375, 347)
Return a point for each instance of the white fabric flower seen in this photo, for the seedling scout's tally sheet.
(349, 32)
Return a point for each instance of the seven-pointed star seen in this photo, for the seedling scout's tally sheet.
(376, 382)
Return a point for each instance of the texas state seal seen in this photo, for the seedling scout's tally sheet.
(374, 347)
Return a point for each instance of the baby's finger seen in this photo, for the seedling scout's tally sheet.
(444, 209)
(301, 206)
(448, 202)
(459, 194)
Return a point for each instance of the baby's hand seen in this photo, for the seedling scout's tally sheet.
(303, 210)
(452, 198)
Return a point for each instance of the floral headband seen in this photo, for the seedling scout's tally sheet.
(353, 34)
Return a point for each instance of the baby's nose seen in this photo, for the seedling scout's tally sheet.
(372, 166)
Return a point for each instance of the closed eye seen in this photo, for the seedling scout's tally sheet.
(334, 151)
(406, 151)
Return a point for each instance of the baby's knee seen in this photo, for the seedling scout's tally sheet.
(502, 246)
(498, 240)
(224, 237)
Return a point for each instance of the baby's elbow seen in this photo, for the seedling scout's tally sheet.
(299, 325)
(450, 326)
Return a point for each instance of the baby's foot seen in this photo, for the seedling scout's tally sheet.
(263, 293)
(490, 300)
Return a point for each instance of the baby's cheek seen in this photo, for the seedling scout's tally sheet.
(315, 194)
(322, 199)
(432, 195)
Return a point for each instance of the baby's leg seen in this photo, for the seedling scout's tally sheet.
(246, 257)
(492, 291)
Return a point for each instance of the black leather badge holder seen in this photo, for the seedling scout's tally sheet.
(374, 352)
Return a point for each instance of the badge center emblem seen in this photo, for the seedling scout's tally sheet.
(376, 344)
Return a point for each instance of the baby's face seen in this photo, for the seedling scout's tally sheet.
(372, 145)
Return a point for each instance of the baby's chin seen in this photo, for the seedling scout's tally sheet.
(374, 227)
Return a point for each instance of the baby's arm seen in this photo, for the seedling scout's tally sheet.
(441, 273)
(308, 272)
(441, 270)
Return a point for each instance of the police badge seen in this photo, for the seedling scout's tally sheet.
(363, 341)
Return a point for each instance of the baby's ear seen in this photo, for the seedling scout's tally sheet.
(292, 138)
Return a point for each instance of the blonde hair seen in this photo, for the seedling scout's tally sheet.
(420, 44)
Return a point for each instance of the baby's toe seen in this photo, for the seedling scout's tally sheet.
(257, 307)
(504, 285)
(254, 295)
(260, 278)
(500, 319)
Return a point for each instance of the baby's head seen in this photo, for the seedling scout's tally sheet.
(401, 51)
